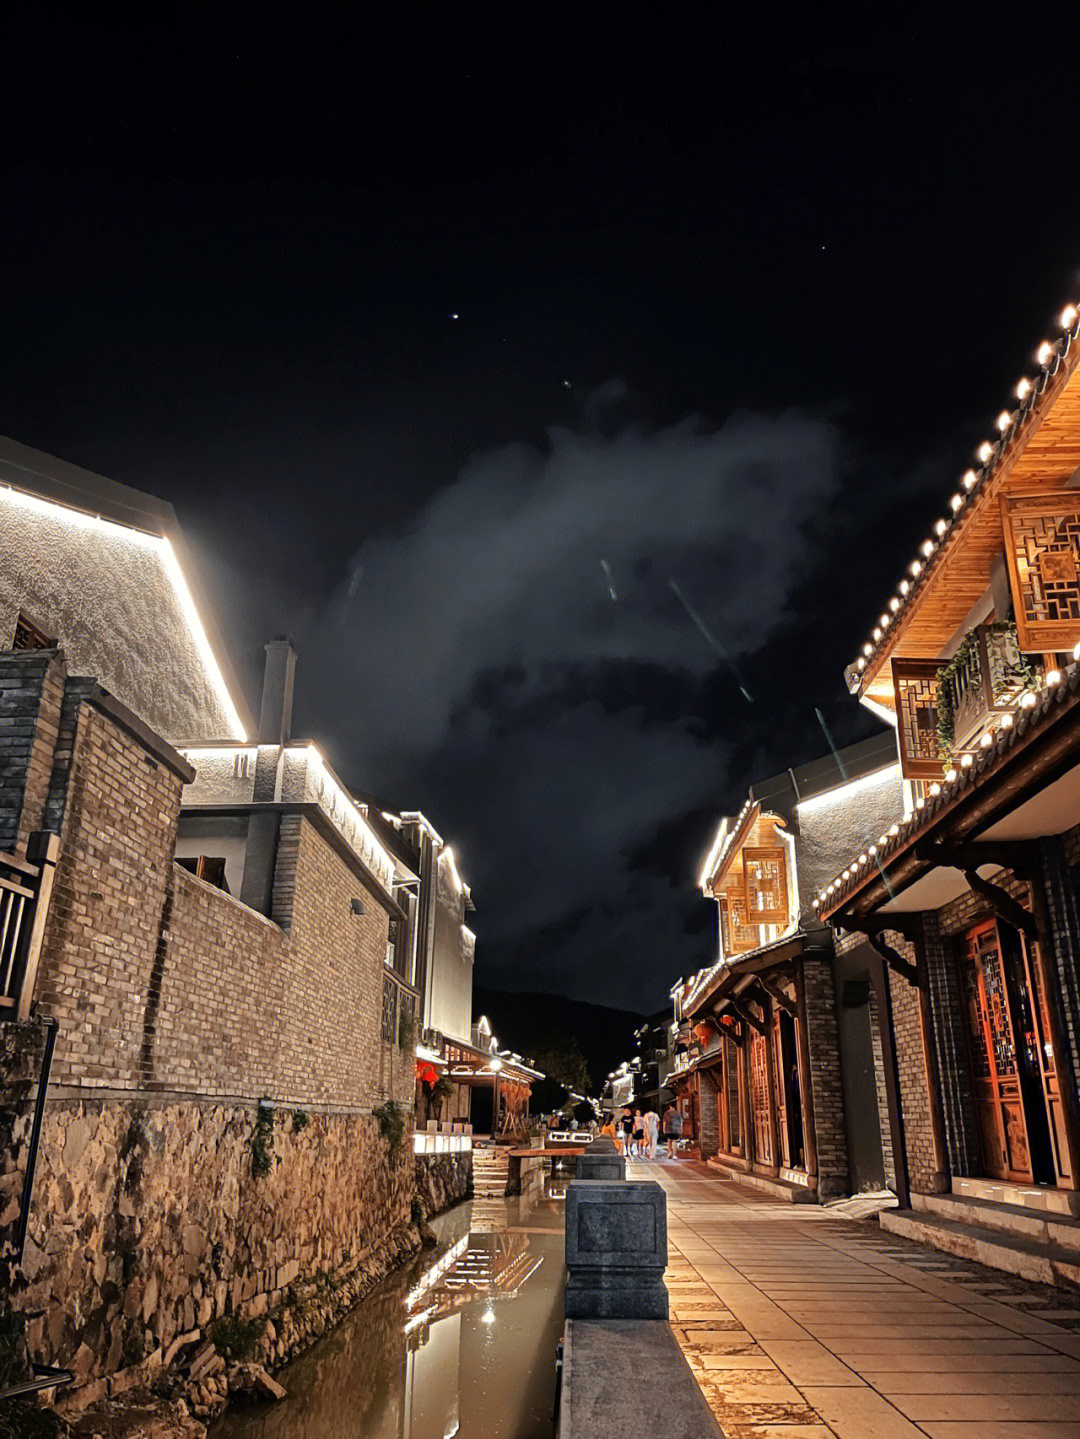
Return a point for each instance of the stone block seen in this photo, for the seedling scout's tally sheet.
(602, 1164)
(616, 1250)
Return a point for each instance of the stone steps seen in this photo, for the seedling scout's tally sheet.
(491, 1169)
(945, 1222)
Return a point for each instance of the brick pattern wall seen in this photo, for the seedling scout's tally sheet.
(161, 982)
(827, 1096)
(1060, 892)
(708, 1116)
(950, 1043)
(881, 1092)
(911, 1070)
(31, 686)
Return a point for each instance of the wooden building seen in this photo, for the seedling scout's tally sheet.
(763, 1030)
(969, 896)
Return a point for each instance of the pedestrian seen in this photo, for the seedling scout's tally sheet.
(672, 1129)
(652, 1129)
(608, 1128)
(626, 1124)
(639, 1133)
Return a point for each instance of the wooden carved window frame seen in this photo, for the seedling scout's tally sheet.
(907, 672)
(736, 896)
(778, 914)
(1033, 634)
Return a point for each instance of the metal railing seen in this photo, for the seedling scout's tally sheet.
(25, 889)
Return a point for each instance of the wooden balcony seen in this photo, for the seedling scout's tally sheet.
(25, 889)
(984, 680)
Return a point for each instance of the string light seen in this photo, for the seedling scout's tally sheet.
(894, 830)
(1024, 390)
(987, 740)
(1006, 721)
(950, 776)
(966, 761)
(935, 789)
(860, 663)
(1029, 701)
(862, 858)
(871, 849)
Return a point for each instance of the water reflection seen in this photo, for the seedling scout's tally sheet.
(459, 1343)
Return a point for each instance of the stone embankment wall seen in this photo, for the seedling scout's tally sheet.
(162, 1206)
(443, 1180)
(154, 1223)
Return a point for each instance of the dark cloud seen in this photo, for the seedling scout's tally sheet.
(482, 670)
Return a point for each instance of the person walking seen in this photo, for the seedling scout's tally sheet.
(639, 1134)
(652, 1129)
(672, 1129)
(626, 1124)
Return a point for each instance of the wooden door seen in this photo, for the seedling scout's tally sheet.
(759, 1099)
(995, 1065)
(1047, 1063)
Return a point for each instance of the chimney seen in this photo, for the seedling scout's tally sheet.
(275, 715)
(275, 727)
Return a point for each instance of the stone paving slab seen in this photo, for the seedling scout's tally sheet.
(799, 1325)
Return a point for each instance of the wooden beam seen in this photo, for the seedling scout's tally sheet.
(783, 1000)
(1003, 904)
(746, 1017)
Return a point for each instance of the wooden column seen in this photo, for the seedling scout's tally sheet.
(746, 1104)
(806, 1083)
(1041, 950)
(770, 1082)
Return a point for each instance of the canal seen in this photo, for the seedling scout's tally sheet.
(461, 1342)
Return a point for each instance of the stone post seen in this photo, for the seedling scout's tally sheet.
(616, 1250)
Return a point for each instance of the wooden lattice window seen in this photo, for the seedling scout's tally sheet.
(29, 637)
(1042, 546)
(766, 885)
(744, 935)
(389, 1011)
(915, 687)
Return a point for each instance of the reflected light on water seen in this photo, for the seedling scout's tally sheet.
(422, 1357)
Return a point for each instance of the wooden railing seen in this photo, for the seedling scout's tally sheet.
(25, 889)
(984, 679)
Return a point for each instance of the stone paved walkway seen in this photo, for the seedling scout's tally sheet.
(801, 1325)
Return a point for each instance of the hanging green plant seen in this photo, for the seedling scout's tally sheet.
(943, 697)
(391, 1120)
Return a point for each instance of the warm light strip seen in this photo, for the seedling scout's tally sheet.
(844, 792)
(449, 856)
(348, 804)
(82, 519)
(713, 857)
(198, 634)
(415, 817)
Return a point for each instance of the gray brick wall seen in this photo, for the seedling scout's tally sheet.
(825, 1088)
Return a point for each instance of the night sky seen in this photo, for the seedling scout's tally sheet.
(573, 395)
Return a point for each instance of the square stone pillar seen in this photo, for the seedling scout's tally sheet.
(616, 1250)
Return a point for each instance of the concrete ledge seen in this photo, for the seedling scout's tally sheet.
(775, 1188)
(1029, 1259)
(628, 1379)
